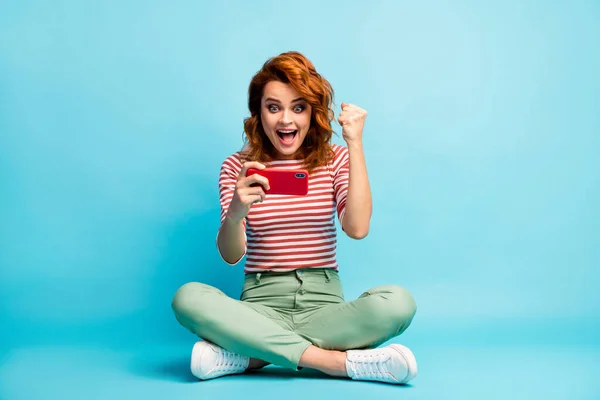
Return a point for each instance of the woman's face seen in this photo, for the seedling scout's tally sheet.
(285, 118)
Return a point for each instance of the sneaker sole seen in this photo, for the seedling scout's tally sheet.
(411, 361)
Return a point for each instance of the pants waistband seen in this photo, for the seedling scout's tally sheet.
(299, 273)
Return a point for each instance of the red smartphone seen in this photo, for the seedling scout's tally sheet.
(284, 181)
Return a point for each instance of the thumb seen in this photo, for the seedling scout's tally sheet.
(343, 105)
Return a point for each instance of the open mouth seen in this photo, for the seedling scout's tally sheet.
(287, 136)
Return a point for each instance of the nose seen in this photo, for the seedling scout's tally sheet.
(286, 117)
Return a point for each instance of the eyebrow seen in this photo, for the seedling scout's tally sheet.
(275, 100)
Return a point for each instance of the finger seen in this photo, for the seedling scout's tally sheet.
(254, 198)
(257, 199)
(348, 107)
(251, 199)
(256, 179)
(250, 191)
(250, 164)
(346, 116)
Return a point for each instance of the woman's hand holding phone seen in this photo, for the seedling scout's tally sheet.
(248, 191)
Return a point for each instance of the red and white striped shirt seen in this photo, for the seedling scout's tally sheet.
(286, 232)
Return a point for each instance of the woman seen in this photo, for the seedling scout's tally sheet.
(292, 312)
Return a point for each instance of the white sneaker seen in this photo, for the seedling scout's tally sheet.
(211, 361)
(392, 364)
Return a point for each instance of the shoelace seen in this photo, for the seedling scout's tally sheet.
(228, 361)
(371, 365)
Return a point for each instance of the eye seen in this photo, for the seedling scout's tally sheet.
(273, 108)
(299, 109)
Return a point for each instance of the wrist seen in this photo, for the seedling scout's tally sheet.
(354, 144)
(233, 220)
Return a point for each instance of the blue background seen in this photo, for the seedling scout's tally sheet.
(481, 143)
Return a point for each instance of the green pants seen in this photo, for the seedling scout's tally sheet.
(281, 314)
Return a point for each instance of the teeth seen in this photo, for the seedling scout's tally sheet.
(287, 131)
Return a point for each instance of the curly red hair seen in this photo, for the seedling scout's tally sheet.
(295, 69)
